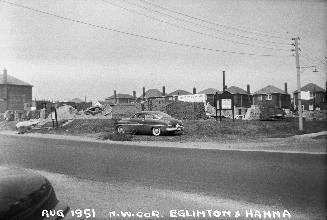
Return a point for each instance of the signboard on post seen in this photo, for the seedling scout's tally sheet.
(224, 101)
(54, 117)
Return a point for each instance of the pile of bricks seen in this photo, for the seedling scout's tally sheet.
(125, 110)
(156, 105)
(253, 113)
(315, 115)
(177, 109)
(186, 110)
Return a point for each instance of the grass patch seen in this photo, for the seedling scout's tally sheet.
(197, 130)
(117, 137)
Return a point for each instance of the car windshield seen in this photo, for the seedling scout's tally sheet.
(161, 115)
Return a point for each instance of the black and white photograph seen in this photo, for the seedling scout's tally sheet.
(163, 109)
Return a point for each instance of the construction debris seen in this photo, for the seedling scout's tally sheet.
(253, 113)
(315, 115)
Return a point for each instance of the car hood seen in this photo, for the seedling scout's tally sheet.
(23, 193)
(16, 184)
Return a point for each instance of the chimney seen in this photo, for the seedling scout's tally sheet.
(163, 91)
(115, 97)
(5, 76)
(85, 99)
(194, 90)
(285, 86)
(134, 95)
(224, 86)
(143, 93)
(248, 89)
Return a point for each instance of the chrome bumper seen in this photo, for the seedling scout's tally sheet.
(179, 128)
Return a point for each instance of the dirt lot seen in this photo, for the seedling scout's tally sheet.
(195, 130)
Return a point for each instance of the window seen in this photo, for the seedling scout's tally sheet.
(311, 95)
(148, 116)
(269, 97)
(139, 115)
(260, 97)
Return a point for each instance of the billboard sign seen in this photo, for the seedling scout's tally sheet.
(193, 98)
(305, 95)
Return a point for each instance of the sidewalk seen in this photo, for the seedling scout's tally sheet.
(295, 144)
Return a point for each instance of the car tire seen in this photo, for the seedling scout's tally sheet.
(156, 131)
(120, 130)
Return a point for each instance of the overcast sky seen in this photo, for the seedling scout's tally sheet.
(65, 59)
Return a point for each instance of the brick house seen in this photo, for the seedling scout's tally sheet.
(15, 94)
(118, 98)
(312, 97)
(273, 96)
(210, 93)
(242, 99)
(174, 95)
(152, 94)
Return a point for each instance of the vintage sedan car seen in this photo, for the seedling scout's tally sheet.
(153, 122)
(26, 195)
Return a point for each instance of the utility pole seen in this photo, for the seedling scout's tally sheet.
(297, 62)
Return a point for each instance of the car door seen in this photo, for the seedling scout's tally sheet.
(148, 123)
(137, 123)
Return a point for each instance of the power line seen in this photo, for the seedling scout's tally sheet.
(217, 24)
(194, 31)
(202, 26)
(310, 60)
(314, 56)
(133, 34)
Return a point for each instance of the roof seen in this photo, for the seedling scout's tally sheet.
(13, 81)
(121, 96)
(179, 92)
(311, 87)
(152, 93)
(76, 100)
(209, 91)
(270, 89)
(236, 90)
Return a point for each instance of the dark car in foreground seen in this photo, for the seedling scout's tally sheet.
(150, 122)
(26, 195)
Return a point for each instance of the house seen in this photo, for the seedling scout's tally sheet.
(99, 104)
(76, 100)
(174, 95)
(241, 97)
(15, 94)
(119, 98)
(210, 93)
(151, 94)
(312, 97)
(272, 96)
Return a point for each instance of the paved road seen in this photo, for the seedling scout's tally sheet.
(294, 182)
